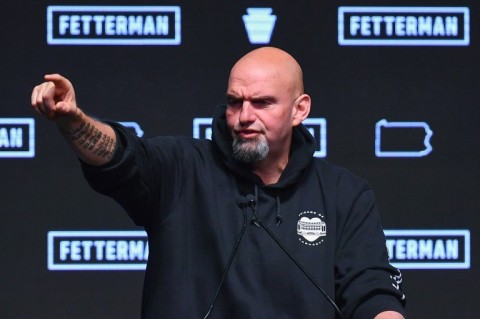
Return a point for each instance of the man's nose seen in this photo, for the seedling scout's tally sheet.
(247, 113)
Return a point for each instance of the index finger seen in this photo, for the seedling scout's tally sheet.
(57, 79)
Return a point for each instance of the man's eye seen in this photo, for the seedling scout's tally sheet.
(234, 102)
(261, 103)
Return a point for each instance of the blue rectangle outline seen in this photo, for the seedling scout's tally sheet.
(322, 122)
(197, 121)
(85, 233)
(405, 42)
(175, 41)
(113, 234)
(31, 138)
(433, 232)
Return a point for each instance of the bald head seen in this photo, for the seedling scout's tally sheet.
(273, 62)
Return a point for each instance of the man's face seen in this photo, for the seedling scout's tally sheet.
(259, 112)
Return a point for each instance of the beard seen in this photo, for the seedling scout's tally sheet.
(250, 151)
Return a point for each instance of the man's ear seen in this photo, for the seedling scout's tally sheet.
(301, 109)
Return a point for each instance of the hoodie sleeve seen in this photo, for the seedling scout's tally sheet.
(366, 282)
(138, 175)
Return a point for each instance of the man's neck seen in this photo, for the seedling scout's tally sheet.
(270, 170)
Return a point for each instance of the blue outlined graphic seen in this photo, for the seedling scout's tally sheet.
(17, 137)
(384, 125)
(135, 126)
(97, 250)
(429, 248)
(114, 25)
(318, 128)
(128, 250)
(404, 26)
(202, 129)
(259, 23)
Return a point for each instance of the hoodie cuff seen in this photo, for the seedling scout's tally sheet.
(373, 306)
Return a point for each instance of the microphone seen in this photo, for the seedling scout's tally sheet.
(251, 200)
(242, 202)
(252, 203)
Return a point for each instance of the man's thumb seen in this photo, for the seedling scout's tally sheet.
(62, 107)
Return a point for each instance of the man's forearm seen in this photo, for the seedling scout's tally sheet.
(93, 141)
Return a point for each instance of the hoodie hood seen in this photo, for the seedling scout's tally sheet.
(301, 152)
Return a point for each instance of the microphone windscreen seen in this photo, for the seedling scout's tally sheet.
(242, 201)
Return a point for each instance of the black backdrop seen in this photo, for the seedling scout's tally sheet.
(164, 87)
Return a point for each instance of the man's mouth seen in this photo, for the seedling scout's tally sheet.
(247, 134)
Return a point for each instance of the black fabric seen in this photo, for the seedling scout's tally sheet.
(184, 192)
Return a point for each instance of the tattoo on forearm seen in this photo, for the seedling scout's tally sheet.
(106, 147)
(87, 136)
(79, 132)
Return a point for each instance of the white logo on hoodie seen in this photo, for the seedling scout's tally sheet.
(311, 228)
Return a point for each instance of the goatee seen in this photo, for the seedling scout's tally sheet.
(250, 151)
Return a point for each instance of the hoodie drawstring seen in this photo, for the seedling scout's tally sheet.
(278, 217)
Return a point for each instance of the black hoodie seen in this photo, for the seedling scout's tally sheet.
(193, 199)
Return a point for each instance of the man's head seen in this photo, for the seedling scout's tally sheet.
(265, 101)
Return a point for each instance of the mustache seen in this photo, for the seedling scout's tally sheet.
(239, 128)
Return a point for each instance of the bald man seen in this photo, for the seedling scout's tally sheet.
(250, 224)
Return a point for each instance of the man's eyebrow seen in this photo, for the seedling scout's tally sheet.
(263, 97)
(253, 98)
(232, 96)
